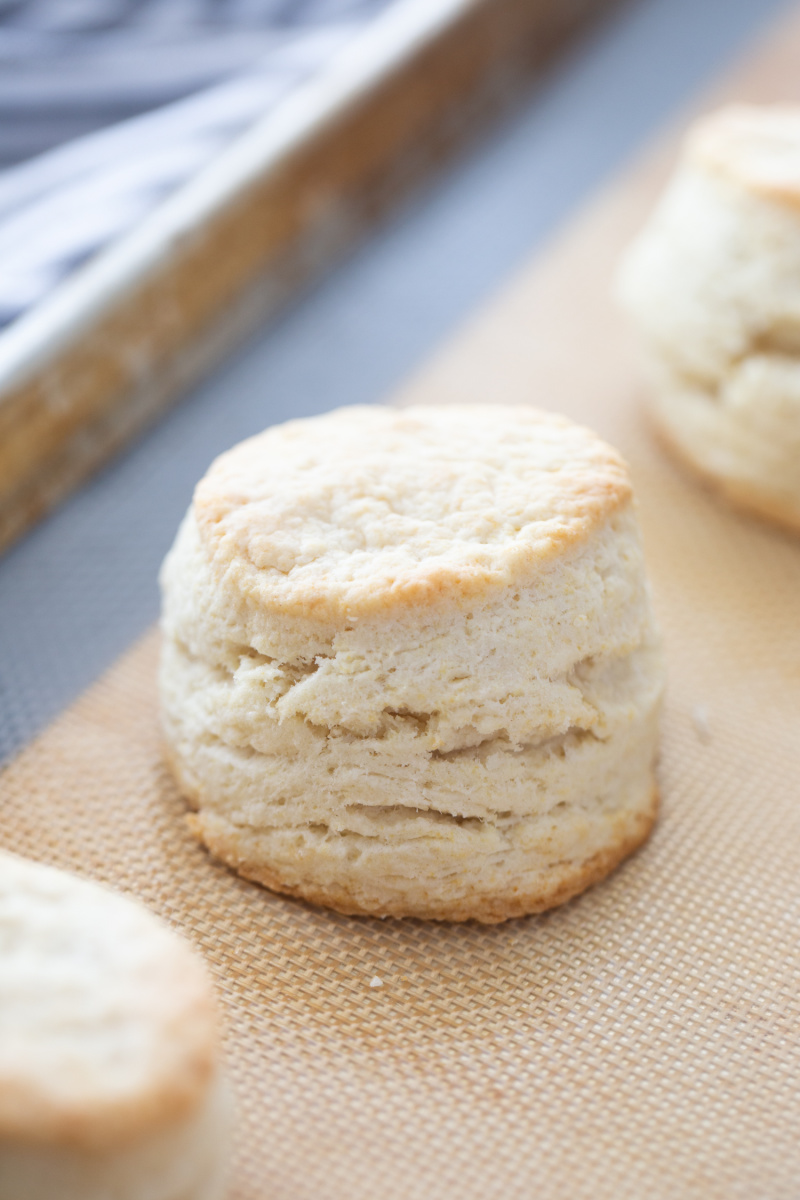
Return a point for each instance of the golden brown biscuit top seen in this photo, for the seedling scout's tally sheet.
(366, 509)
(107, 1028)
(757, 146)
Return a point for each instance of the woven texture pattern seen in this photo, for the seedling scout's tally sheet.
(642, 1041)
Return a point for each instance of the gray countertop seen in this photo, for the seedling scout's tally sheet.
(82, 586)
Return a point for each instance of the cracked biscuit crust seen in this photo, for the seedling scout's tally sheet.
(371, 508)
(711, 284)
(481, 747)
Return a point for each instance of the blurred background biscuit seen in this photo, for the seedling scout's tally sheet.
(109, 1072)
(712, 284)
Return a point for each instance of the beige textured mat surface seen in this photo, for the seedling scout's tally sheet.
(643, 1041)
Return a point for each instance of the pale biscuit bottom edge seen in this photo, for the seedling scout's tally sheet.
(550, 887)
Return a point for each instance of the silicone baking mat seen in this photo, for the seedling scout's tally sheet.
(644, 1040)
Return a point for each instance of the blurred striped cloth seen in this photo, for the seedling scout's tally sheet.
(106, 106)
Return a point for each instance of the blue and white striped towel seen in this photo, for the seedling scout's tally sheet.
(107, 106)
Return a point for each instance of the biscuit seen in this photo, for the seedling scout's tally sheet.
(712, 286)
(109, 1076)
(409, 665)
